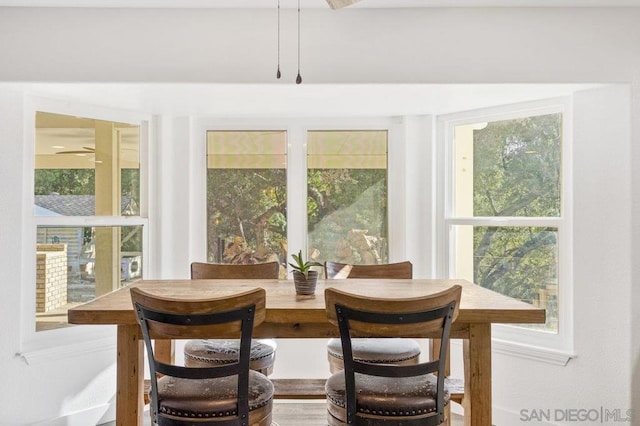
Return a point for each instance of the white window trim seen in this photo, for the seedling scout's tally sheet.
(76, 340)
(296, 129)
(512, 340)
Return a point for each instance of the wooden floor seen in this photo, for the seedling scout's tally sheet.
(295, 413)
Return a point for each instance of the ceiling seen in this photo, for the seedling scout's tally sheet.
(312, 4)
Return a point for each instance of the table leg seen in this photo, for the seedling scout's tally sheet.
(130, 376)
(165, 351)
(477, 376)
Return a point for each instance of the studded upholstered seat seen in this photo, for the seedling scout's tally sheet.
(411, 396)
(379, 351)
(393, 395)
(209, 353)
(230, 394)
(383, 351)
(211, 398)
(212, 352)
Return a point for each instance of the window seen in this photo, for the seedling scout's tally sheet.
(507, 218)
(89, 233)
(347, 196)
(246, 196)
(256, 186)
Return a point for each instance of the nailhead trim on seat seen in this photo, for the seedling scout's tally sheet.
(222, 361)
(399, 412)
(210, 353)
(381, 361)
(176, 413)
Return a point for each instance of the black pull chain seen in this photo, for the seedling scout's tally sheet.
(278, 74)
(299, 77)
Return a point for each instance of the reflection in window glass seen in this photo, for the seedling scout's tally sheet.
(246, 197)
(347, 196)
(519, 262)
(77, 264)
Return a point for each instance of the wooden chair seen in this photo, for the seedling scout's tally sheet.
(396, 351)
(204, 271)
(211, 352)
(230, 395)
(400, 270)
(379, 394)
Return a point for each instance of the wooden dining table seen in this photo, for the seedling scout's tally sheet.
(293, 316)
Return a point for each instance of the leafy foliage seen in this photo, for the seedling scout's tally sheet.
(515, 261)
(251, 204)
(517, 167)
(517, 172)
(64, 181)
(82, 182)
(340, 201)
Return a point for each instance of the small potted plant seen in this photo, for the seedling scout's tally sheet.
(304, 278)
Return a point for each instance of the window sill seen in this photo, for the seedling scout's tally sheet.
(530, 352)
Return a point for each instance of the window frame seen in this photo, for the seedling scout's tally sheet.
(36, 346)
(296, 130)
(551, 347)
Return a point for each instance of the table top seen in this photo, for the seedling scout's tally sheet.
(477, 305)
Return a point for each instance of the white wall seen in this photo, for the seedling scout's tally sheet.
(601, 371)
(348, 46)
(432, 45)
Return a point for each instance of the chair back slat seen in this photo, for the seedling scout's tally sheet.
(194, 307)
(200, 271)
(400, 270)
(390, 306)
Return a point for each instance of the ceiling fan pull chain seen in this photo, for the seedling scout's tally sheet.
(299, 77)
(278, 74)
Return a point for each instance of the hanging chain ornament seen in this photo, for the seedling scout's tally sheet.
(278, 74)
(299, 77)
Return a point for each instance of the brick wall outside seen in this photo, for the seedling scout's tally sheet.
(51, 276)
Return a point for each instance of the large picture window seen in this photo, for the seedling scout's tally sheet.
(248, 189)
